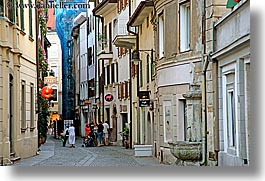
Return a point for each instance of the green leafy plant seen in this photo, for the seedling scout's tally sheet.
(43, 103)
(102, 38)
(42, 23)
(126, 130)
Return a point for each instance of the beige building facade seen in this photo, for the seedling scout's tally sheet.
(178, 41)
(18, 121)
(232, 61)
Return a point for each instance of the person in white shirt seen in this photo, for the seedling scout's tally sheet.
(72, 136)
(106, 132)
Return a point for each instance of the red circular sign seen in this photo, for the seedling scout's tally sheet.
(46, 92)
(108, 97)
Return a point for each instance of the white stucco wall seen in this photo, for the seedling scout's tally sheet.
(178, 74)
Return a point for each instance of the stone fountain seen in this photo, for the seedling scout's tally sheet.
(191, 150)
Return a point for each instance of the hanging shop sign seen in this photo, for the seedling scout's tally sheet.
(109, 97)
(50, 80)
(144, 99)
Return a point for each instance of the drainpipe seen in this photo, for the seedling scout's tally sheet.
(102, 20)
(204, 107)
(130, 68)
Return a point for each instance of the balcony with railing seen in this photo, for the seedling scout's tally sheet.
(121, 36)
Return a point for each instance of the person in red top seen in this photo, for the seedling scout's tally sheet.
(87, 130)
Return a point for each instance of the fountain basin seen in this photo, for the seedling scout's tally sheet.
(186, 151)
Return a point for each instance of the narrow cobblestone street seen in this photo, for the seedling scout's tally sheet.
(53, 154)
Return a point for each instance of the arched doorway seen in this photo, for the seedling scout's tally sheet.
(148, 129)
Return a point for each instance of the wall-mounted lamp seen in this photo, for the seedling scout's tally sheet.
(136, 55)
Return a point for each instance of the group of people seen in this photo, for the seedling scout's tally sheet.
(103, 131)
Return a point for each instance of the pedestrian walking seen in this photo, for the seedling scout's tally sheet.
(72, 136)
(65, 135)
(100, 133)
(106, 133)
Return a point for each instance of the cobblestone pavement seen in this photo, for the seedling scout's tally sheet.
(53, 154)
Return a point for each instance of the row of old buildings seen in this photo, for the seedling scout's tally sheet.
(18, 82)
(175, 72)
(24, 71)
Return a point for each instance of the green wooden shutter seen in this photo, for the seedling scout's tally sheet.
(147, 69)
(22, 24)
(141, 74)
(30, 20)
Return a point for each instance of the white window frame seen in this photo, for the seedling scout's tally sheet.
(184, 25)
(228, 148)
(161, 34)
